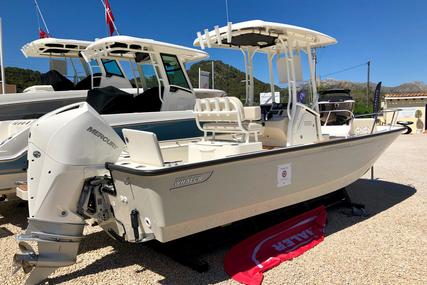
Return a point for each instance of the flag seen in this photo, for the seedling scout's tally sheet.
(109, 17)
(42, 34)
(247, 261)
(377, 98)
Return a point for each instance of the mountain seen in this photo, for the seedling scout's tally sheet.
(358, 91)
(231, 80)
(22, 78)
(409, 87)
(227, 78)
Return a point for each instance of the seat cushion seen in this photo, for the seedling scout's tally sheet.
(252, 113)
(221, 127)
(228, 127)
(254, 127)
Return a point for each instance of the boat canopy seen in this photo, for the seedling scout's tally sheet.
(125, 47)
(265, 36)
(54, 48)
(282, 41)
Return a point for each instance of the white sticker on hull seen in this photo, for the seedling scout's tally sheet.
(284, 175)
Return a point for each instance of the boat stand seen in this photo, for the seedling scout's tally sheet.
(189, 251)
(341, 198)
(182, 252)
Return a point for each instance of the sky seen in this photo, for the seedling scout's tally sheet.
(392, 34)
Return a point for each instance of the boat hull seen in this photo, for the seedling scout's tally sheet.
(180, 202)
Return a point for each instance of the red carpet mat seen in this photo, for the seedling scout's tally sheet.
(246, 261)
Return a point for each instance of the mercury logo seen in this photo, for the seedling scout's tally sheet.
(100, 135)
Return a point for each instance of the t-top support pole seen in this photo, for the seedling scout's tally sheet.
(312, 78)
(270, 70)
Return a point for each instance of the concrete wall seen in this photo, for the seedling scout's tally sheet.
(10, 88)
(409, 106)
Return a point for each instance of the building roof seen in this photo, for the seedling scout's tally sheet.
(412, 95)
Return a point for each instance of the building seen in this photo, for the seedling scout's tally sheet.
(413, 108)
(10, 88)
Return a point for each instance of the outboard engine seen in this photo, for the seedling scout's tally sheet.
(65, 148)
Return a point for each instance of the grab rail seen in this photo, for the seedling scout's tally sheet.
(336, 111)
(375, 115)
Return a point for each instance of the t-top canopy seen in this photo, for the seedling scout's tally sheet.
(262, 35)
(133, 48)
(53, 47)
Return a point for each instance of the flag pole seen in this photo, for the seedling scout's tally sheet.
(3, 83)
(226, 10)
(109, 16)
(41, 16)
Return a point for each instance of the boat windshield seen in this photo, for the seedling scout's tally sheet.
(174, 71)
(149, 76)
(112, 68)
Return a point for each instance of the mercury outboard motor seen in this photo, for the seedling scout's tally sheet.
(65, 147)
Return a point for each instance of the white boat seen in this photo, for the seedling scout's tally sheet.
(143, 189)
(58, 89)
(163, 110)
(335, 106)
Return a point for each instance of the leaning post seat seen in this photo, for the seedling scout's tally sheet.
(224, 115)
(227, 115)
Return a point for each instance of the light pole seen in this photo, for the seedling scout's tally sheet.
(3, 83)
(367, 84)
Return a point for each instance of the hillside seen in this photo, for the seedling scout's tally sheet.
(231, 80)
(227, 78)
(22, 78)
(358, 91)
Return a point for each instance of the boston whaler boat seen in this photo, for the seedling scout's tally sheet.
(143, 189)
(163, 102)
(57, 89)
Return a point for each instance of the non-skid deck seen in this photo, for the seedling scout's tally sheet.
(176, 153)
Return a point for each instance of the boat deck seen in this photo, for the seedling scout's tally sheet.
(175, 153)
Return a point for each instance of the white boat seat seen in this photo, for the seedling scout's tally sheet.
(228, 127)
(143, 147)
(227, 115)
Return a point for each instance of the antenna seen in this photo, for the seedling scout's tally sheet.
(3, 82)
(40, 16)
(109, 17)
(226, 10)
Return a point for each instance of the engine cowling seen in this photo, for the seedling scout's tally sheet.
(65, 147)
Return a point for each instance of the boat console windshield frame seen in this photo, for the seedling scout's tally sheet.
(54, 48)
(138, 51)
(69, 50)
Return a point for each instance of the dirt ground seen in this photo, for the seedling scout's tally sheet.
(387, 247)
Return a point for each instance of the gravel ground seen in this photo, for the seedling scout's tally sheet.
(388, 247)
